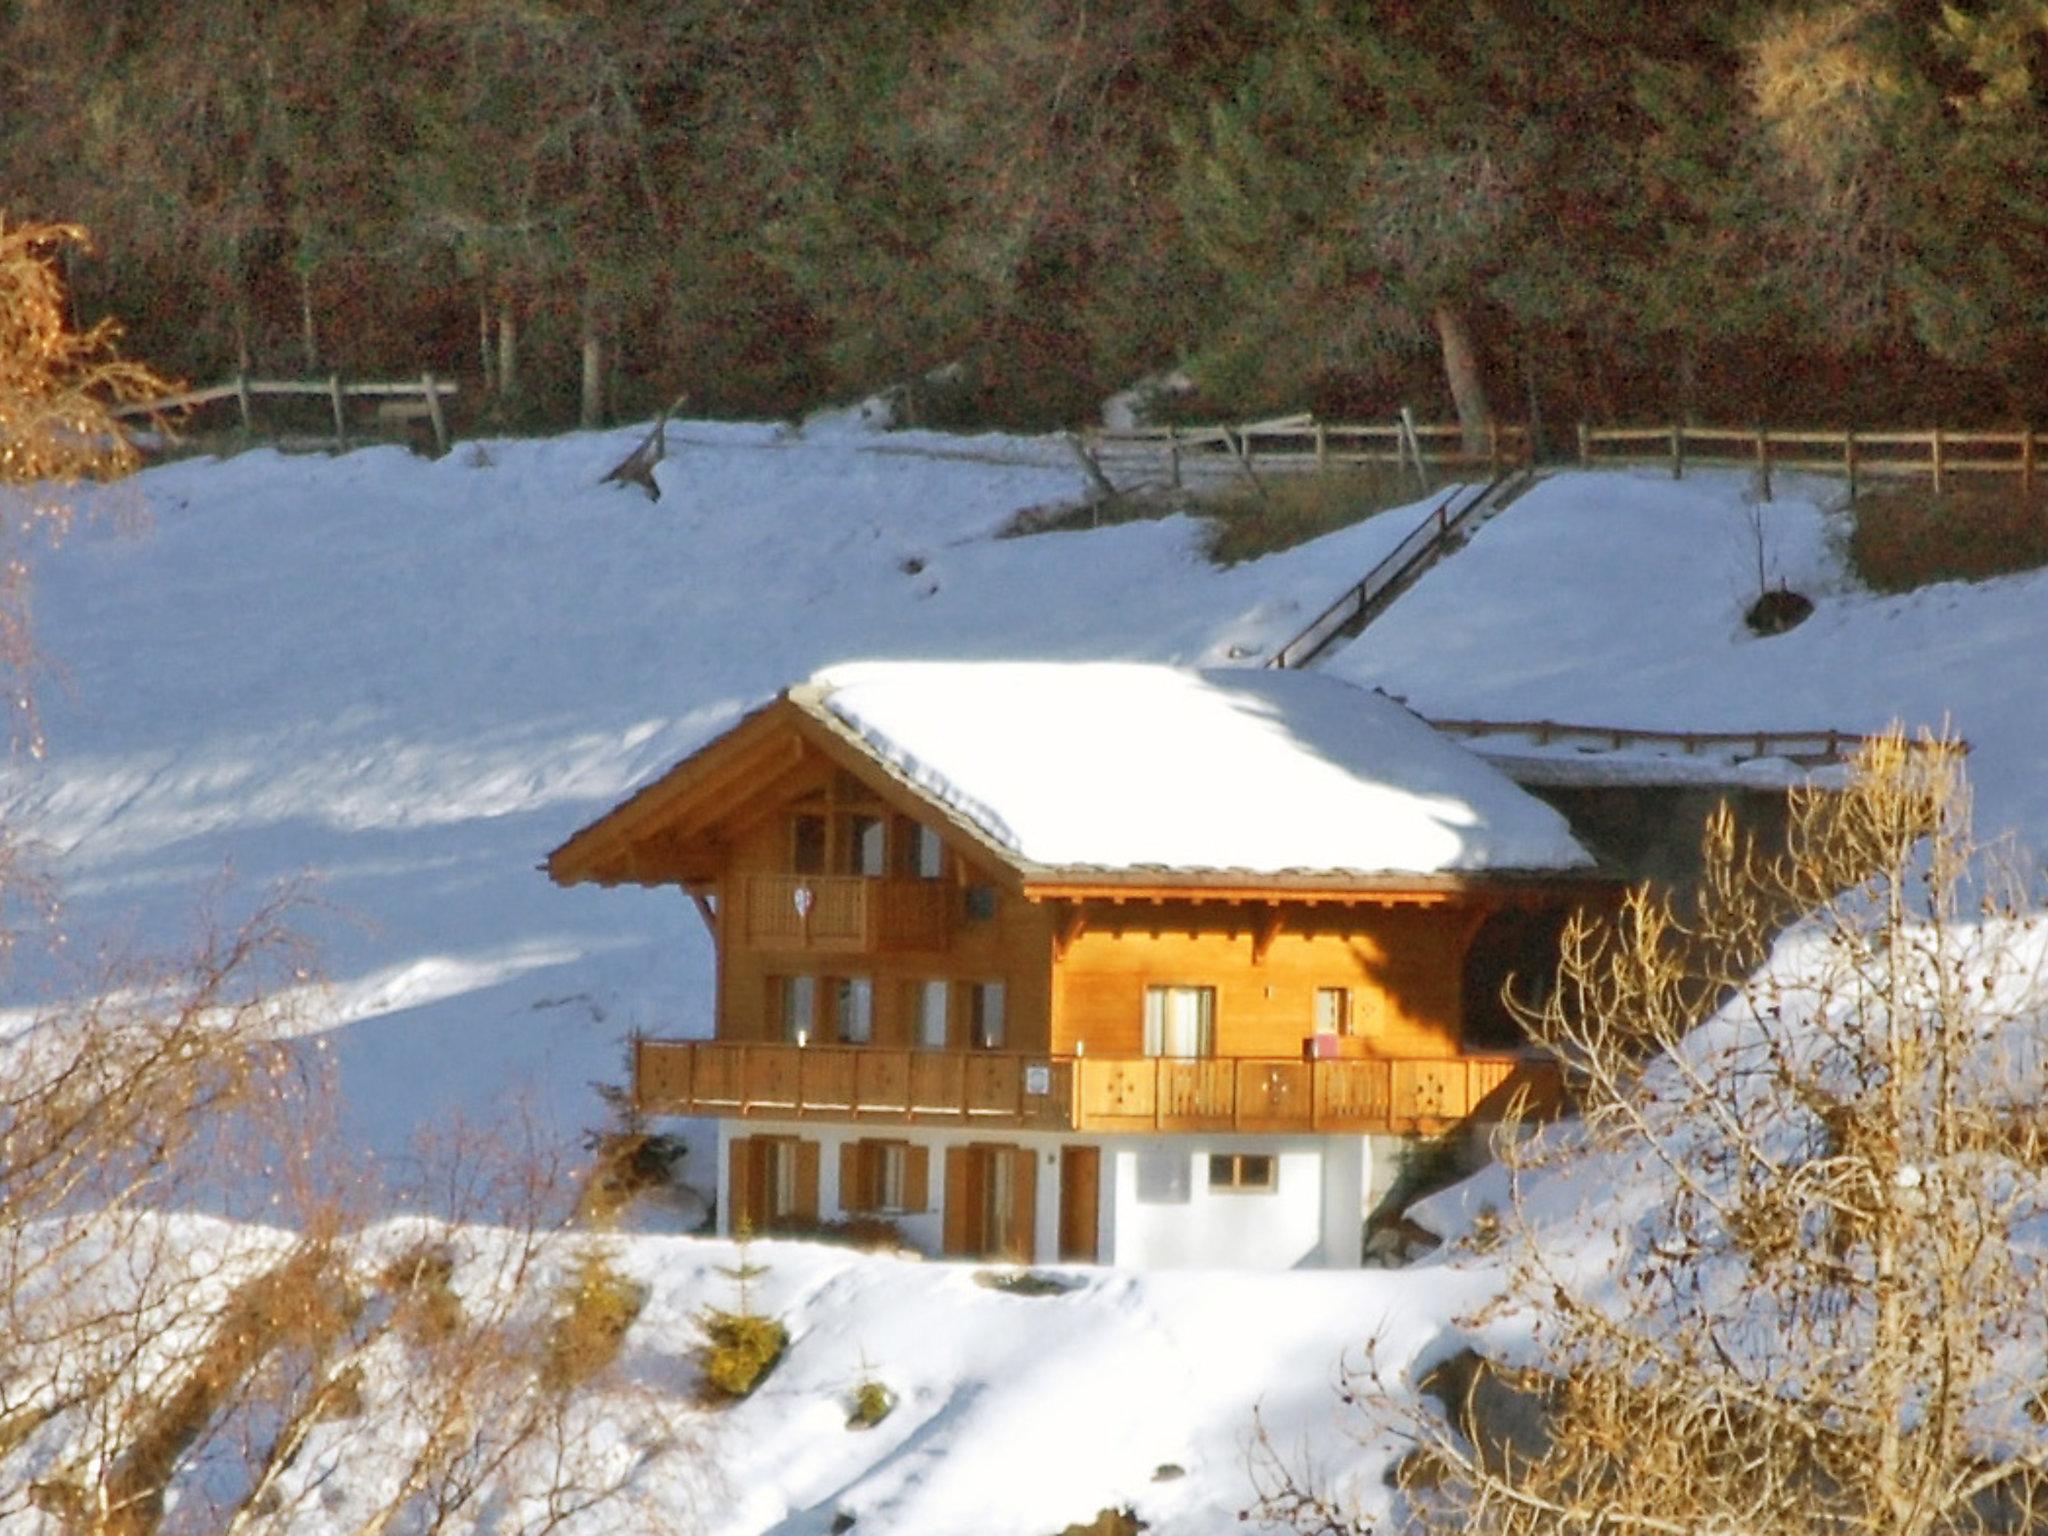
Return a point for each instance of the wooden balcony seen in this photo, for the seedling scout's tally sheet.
(846, 914)
(1095, 1094)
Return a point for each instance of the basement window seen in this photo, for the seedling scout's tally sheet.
(1243, 1172)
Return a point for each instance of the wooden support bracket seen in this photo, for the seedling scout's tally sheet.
(1265, 930)
(1071, 921)
(706, 909)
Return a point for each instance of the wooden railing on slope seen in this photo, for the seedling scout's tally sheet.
(1301, 443)
(1440, 531)
(1935, 453)
(403, 400)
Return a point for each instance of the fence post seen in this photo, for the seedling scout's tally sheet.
(1677, 451)
(1322, 447)
(1937, 461)
(1763, 462)
(1849, 459)
(340, 414)
(1492, 449)
(1173, 454)
(434, 411)
(2027, 461)
(242, 399)
(1585, 446)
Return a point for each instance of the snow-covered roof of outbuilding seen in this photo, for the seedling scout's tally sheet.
(1120, 766)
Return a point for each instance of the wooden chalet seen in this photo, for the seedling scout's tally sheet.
(1090, 962)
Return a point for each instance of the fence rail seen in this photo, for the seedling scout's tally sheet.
(1301, 443)
(402, 400)
(1808, 748)
(1935, 453)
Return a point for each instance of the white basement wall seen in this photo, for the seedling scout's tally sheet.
(1156, 1209)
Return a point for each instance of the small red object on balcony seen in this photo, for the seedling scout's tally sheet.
(1319, 1048)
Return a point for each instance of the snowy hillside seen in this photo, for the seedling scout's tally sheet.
(405, 681)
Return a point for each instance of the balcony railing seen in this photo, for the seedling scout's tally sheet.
(1096, 1094)
(846, 913)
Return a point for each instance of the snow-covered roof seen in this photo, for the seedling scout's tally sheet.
(1120, 766)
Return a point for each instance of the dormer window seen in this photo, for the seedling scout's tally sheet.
(919, 853)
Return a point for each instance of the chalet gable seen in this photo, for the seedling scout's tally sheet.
(1059, 777)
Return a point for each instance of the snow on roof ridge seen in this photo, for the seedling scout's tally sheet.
(1126, 765)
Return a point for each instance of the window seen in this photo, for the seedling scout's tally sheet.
(883, 1176)
(853, 1010)
(919, 853)
(863, 844)
(933, 1015)
(780, 1184)
(1333, 1010)
(807, 844)
(1243, 1172)
(794, 1002)
(985, 1014)
(1163, 1177)
(1180, 1021)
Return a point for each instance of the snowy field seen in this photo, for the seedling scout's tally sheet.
(400, 683)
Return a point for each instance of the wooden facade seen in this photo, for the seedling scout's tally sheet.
(881, 959)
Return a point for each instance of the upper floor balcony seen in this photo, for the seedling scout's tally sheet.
(1094, 1094)
(846, 914)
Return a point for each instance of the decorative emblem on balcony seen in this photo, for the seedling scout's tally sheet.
(805, 898)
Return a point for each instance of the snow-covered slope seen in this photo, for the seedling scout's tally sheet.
(404, 681)
(408, 680)
(1616, 598)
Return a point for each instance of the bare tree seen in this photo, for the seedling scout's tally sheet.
(1811, 1297)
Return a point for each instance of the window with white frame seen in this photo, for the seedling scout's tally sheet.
(1333, 1010)
(1180, 1021)
(934, 1004)
(795, 1000)
(853, 1010)
(985, 1014)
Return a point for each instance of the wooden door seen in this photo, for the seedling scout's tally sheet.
(1080, 1203)
(991, 1203)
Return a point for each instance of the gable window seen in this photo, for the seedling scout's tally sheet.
(1333, 1010)
(793, 1001)
(985, 1015)
(863, 844)
(853, 1010)
(934, 1009)
(1180, 1021)
(807, 844)
(1243, 1172)
(919, 853)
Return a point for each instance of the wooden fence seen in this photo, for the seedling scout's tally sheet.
(1808, 748)
(398, 403)
(1935, 454)
(1301, 443)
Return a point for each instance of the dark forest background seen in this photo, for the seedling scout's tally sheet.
(1811, 213)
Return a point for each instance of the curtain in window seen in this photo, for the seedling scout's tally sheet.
(1180, 1021)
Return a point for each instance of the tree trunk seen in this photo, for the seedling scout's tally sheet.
(593, 364)
(508, 353)
(1461, 369)
(309, 336)
(485, 355)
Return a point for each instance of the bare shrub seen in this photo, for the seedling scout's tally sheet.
(1810, 1294)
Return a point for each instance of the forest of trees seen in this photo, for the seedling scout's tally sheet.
(1812, 210)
